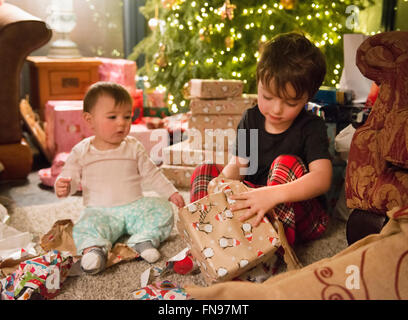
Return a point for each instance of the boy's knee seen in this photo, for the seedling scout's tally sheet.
(286, 159)
(210, 169)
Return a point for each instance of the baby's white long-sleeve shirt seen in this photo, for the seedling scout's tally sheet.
(113, 177)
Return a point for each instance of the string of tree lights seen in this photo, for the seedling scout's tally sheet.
(222, 39)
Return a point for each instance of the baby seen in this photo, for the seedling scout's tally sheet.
(110, 167)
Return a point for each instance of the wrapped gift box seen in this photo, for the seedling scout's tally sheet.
(120, 71)
(185, 154)
(64, 125)
(154, 140)
(202, 122)
(214, 89)
(224, 106)
(330, 95)
(156, 98)
(220, 140)
(223, 246)
(180, 176)
(49, 175)
(161, 112)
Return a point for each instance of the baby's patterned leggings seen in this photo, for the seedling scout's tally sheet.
(146, 219)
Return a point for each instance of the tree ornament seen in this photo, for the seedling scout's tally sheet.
(227, 10)
(153, 23)
(229, 42)
(168, 3)
(161, 60)
(288, 4)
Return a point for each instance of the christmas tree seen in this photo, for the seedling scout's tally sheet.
(222, 39)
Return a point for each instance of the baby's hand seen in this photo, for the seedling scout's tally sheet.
(177, 199)
(63, 187)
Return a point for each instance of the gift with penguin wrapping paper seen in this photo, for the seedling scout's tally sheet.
(223, 246)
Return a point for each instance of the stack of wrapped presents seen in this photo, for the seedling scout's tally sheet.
(216, 108)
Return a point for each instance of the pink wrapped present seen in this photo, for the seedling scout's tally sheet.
(154, 140)
(120, 71)
(156, 98)
(64, 126)
(48, 175)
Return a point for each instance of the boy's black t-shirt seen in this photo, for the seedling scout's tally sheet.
(306, 137)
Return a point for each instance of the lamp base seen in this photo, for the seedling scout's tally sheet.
(64, 49)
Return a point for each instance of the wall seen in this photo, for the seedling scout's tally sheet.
(99, 29)
(370, 18)
(401, 19)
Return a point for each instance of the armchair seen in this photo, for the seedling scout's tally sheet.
(20, 34)
(377, 170)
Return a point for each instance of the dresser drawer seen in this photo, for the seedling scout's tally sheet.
(69, 82)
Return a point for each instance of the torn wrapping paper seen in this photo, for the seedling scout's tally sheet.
(149, 275)
(15, 246)
(161, 290)
(261, 272)
(38, 278)
(60, 238)
(181, 263)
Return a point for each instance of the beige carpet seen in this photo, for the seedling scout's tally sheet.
(120, 280)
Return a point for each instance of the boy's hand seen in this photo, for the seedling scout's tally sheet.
(177, 199)
(258, 202)
(63, 187)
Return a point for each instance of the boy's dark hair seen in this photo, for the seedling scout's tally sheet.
(114, 90)
(292, 58)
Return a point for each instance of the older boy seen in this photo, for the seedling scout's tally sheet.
(294, 166)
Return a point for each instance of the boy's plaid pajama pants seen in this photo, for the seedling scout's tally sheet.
(305, 220)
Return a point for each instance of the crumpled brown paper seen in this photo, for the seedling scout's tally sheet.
(10, 265)
(60, 238)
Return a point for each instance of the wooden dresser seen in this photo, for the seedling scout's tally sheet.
(60, 79)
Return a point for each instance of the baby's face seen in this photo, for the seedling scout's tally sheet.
(111, 123)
